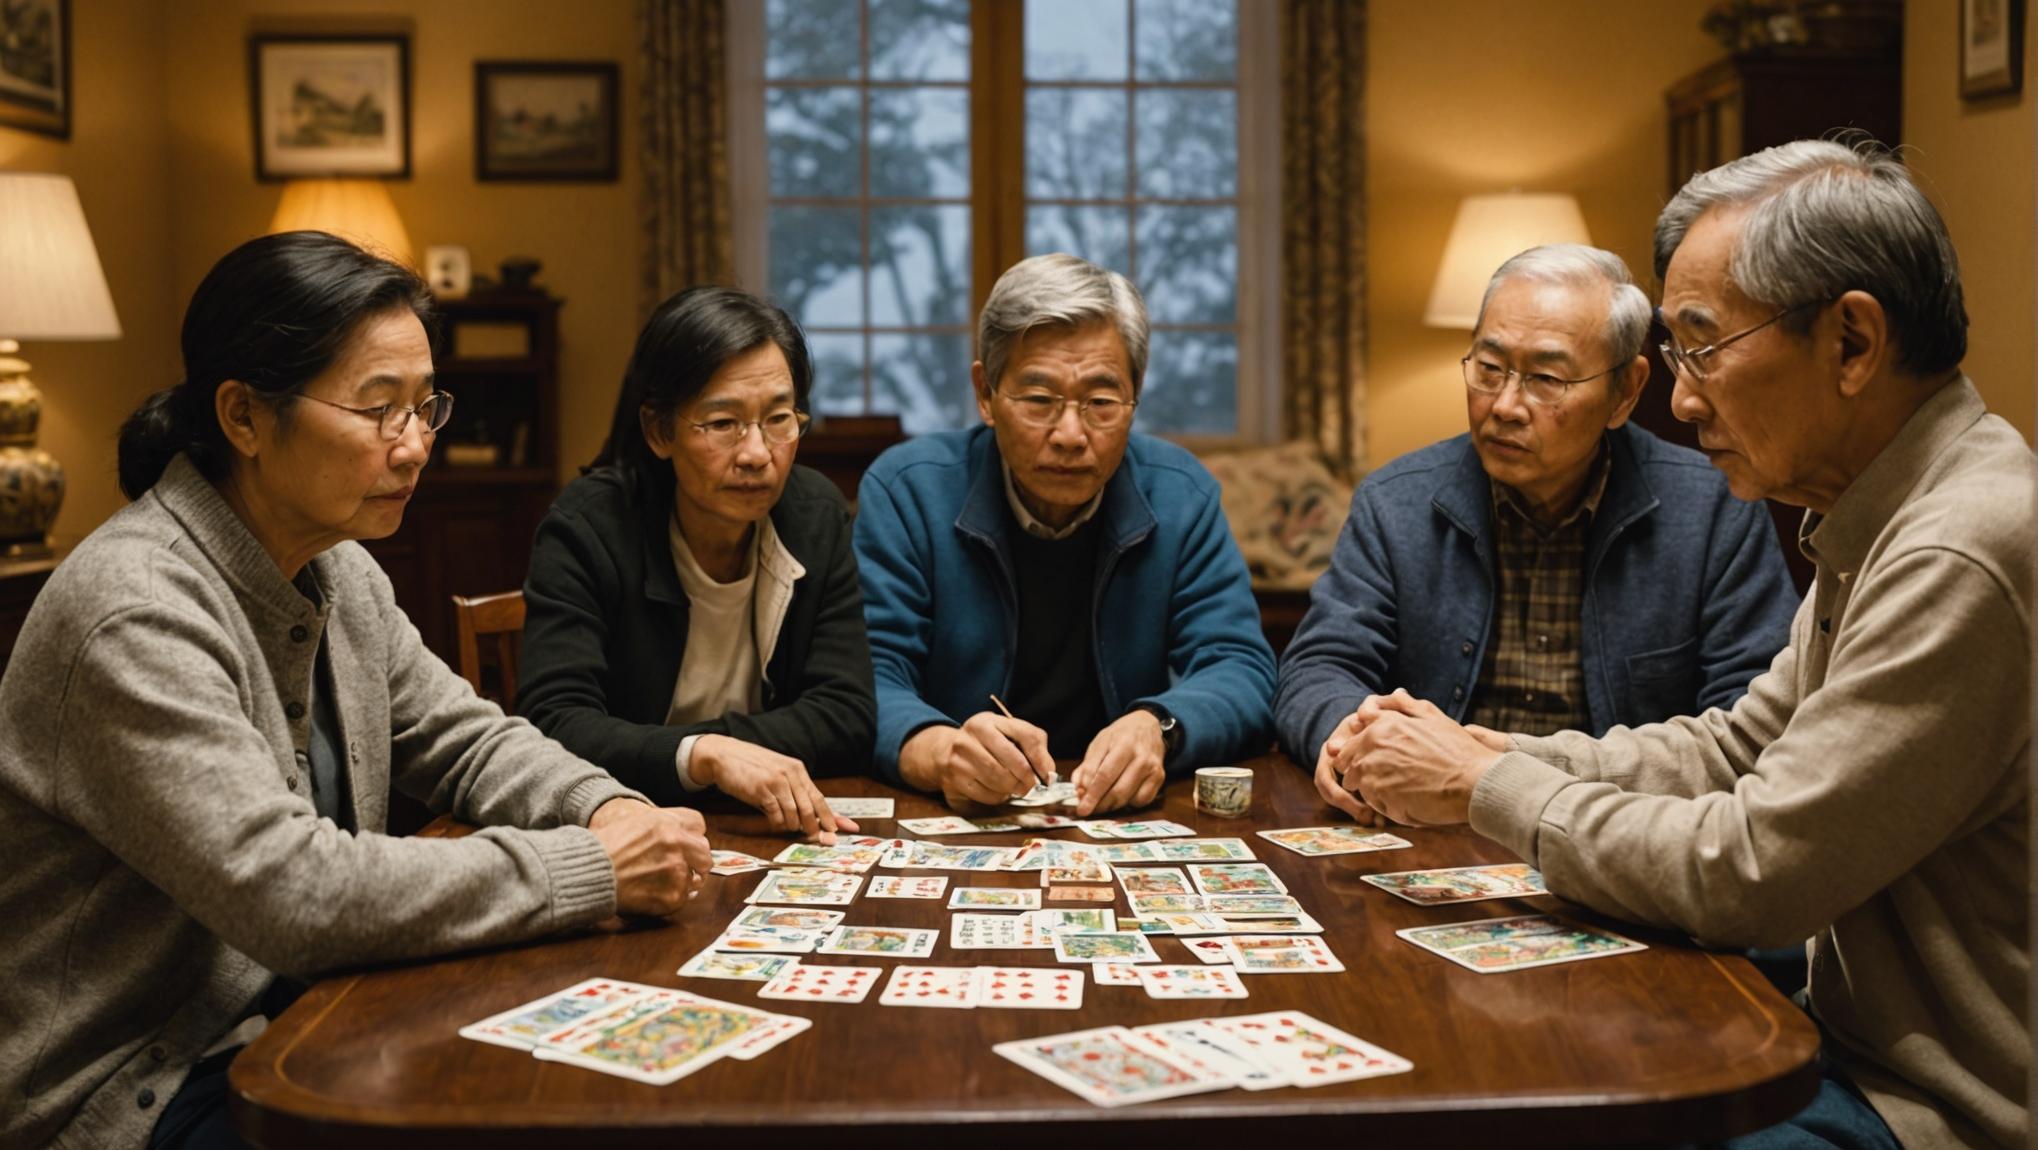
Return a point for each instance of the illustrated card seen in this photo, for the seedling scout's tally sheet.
(1498, 944)
(1253, 904)
(993, 898)
(1281, 954)
(736, 862)
(520, 1027)
(852, 807)
(1075, 872)
(1148, 905)
(1107, 1067)
(1149, 925)
(1081, 894)
(786, 918)
(897, 853)
(1058, 793)
(996, 932)
(1201, 850)
(1034, 821)
(1339, 840)
(1149, 829)
(1087, 919)
(1204, 1044)
(1461, 883)
(1191, 982)
(954, 987)
(1030, 987)
(1151, 880)
(935, 856)
(884, 941)
(1210, 949)
(763, 1038)
(1118, 946)
(941, 825)
(712, 963)
(1127, 852)
(767, 940)
(911, 886)
(663, 1044)
(1115, 973)
(806, 983)
(1311, 1052)
(1236, 878)
(807, 885)
(856, 858)
(1269, 923)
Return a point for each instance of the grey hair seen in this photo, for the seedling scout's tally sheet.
(1575, 265)
(1064, 290)
(1825, 218)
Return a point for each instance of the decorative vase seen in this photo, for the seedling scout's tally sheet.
(31, 479)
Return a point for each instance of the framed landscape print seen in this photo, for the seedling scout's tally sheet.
(330, 105)
(35, 66)
(544, 121)
(1991, 48)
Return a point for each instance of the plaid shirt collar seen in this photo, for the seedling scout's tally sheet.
(1509, 502)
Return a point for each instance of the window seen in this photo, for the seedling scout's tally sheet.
(1148, 147)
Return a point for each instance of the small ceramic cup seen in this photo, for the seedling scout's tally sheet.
(1226, 792)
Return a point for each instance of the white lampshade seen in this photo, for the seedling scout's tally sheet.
(1488, 231)
(50, 283)
(356, 210)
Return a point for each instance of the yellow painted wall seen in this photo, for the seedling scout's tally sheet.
(584, 233)
(119, 160)
(1976, 161)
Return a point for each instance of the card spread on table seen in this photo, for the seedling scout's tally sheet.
(1516, 943)
(939, 825)
(851, 807)
(662, 1040)
(1145, 905)
(1108, 1067)
(1115, 973)
(1151, 880)
(993, 898)
(807, 885)
(907, 886)
(935, 856)
(1311, 1052)
(1341, 840)
(1058, 793)
(1236, 878)
(1252, 904)
(1030, 987)
(1280, 954)
(768, 940)
(1461, 883)
(1056, 921)
(736, 862)
(1191, 982)
(886, 941)
(846, 855)
(1210, 949)
(519, 1027)
(786, 918)
(712, 963)
(1118, 946)
(1150, 829)
(942, 986)
(1141, 852)
(1203, 1044)
(1201, 850)
(1080, 872)
(996, 932)
(809, 983)
(1081, 894)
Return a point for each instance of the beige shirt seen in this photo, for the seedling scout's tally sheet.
(1871, 791)
(732, 631)
(1035, 527)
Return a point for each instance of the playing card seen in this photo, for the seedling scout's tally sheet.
(1200, 850)
(910, 886)
(1497, 944)
(1115, 973)
(1087, 919)
(1061, 791)
(805, 983)
(935, 856)
(1118, 946)
(1081, 894)
(1127, 852)
(787, 918)
(996, 932)
(665, 1043)
(712, 963)
(1183, 925)
(1107, 1067)
(807, 885)
(1144, 925)
(1152, 829)
(1251, 904)
(1236, 878)
(1268, 923)
(519, 1027)
(993, 898)
(855, 858)
(885, 941)
(1311, 1052)
(1191, 982)
(1081, 872)
(860, 808)
(1202, 1044)
(949, 986)
(1210, 949)
(1148, 905)
(1461, 883)
(1281, 954)
(1030, 987)
(942, 825)
(1340, 840)
(736, 862)
(767, 940)
(1041, 822)
(897, 853)
(1151, 880)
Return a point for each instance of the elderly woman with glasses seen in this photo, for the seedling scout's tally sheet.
(693, 620)
(209, 706)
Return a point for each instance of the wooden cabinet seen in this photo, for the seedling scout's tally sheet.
(1757, 99)
(494, 468)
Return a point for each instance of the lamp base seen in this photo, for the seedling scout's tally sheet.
(31, 479)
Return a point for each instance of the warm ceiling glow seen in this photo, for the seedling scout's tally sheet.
(1489, 230)
(356, 210)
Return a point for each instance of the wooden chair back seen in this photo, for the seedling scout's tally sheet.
(495, 622)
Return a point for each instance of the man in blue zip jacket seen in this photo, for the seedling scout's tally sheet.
(1555, 568)
(1083, 574)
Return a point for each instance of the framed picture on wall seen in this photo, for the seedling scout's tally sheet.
(538, 120)
(1991, 48)
(35, 66)
(330, 105)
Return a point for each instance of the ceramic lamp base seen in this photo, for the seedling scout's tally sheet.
(31, 493)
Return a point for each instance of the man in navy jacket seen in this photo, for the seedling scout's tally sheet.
(1554, 568)
(1083, 574)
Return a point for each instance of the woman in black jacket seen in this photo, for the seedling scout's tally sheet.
(693, 616)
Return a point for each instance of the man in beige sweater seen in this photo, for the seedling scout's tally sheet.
(1871, 790)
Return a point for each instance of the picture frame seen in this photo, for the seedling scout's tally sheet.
(330, 106)
(35, 66)
(546, 121)
(1991, 48)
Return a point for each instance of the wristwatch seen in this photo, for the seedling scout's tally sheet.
(1171, 730)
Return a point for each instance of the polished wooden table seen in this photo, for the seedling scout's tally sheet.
(1671, 1044)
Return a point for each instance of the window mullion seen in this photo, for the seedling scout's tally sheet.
(997, 142)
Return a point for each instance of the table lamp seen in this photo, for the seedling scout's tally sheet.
(359, 211)
(50, 288)
(1488, 231)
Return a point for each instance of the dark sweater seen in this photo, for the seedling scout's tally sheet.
(1054, 675)
(605, 628)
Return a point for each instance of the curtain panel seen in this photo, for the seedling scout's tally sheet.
(684, 207)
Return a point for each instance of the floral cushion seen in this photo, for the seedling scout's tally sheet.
(1285, 508)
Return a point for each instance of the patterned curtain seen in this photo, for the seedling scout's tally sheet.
(1323, 214)
(685, 203)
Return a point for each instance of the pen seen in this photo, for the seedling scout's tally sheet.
(1006, 711)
